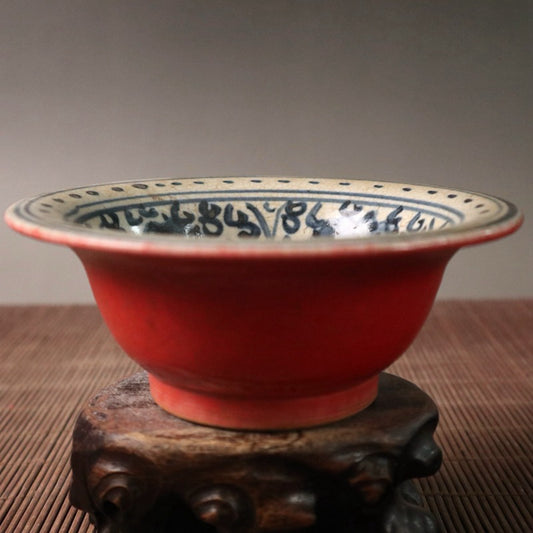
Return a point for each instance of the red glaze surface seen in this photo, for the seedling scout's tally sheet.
(280, 330)
(226, 331)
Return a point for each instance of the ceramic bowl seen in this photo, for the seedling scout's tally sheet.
(264, 303)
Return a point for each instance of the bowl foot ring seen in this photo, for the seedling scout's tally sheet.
(270, 413)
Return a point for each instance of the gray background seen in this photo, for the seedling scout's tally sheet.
(434, 92)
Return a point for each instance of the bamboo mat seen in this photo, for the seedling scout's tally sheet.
(473, 358)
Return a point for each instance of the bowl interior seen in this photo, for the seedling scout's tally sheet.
(264, 208)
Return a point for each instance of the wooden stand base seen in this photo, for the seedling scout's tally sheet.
(139, 469)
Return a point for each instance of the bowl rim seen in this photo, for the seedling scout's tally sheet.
(453, 237)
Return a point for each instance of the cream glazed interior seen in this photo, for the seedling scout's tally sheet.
(261, 208)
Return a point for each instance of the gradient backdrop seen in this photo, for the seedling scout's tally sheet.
(435, 92)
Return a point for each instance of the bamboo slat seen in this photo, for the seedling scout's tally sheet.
(474, 358)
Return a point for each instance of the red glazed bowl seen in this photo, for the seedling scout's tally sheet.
(264, 303)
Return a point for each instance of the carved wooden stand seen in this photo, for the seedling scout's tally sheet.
(138, 469)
